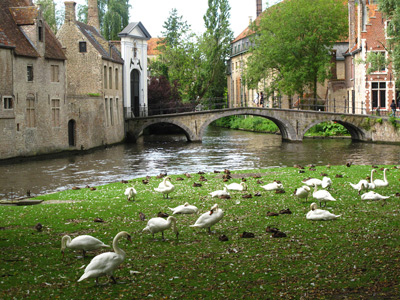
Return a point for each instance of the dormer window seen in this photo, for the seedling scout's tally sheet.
(40, 31)
(82, 47)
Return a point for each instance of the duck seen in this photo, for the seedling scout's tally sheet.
(155, 225)
(81, 242)
(130, 192)
(380, 182)
(209, 218)
(371, 195)
(165, 187)
(220, 192)
(316, 214)
(322, 195)
(184, 209)
(272, 186)
(302, 192)
(195, 184)
(326, 182)
(106, 263)
(237, 186)
(312, 181)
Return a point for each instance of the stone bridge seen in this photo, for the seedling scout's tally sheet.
(293, 124)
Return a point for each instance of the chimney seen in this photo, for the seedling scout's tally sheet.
(259, 7)
(352, 24)
(93, 14)
(69, 11)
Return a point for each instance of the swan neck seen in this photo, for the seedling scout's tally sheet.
(372, 174)
(384, 174)
(65, 241)
(117, 249)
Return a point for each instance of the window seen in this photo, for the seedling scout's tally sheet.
(105, 77)
(379, 61)
(379, 95)
(110, 78)
(54, 73)
(55, 112)
(40, 31)
(29, 71)
(111, 112)
(8, 102)
(117, 108)
(82, 47)
(106, 111)
(30, 111)
(116, 79)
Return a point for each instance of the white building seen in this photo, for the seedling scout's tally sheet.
(134, 39)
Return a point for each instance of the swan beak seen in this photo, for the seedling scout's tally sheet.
(211, 212)
(129, 238)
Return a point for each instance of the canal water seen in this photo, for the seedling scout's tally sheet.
(151, 155)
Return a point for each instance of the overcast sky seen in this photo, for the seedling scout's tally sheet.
(153, 13)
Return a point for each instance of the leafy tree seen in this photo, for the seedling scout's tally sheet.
(215, 48)
(292, 47)
(49, 13)
(175, 29)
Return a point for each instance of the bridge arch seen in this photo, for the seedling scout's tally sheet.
(190, 135)
(356, 133)
(287, 131)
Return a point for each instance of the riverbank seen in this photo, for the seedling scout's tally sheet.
(354, 256)
(263, 125)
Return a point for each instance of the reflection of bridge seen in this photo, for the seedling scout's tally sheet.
(293, 124)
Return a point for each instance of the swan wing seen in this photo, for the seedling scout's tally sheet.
(103, 264)
(87, 243)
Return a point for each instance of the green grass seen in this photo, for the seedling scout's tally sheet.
(354, 257)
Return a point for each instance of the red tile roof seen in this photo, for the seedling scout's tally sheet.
(152, 45)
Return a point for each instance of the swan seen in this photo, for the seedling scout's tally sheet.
(361, 185)
(209, 218)
(326, 182)
(237, 186)
(272, 186)
(158, 224)
(106, 263)
(380, 182)
(302, 192)
(219, 193)
(312, 182)
(165, 187)
(184, 209)
(322, 195)
(371, 195)
(130, 192)
(82, 242)
(316, 214)
(371, 184)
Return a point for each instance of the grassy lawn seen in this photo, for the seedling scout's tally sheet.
(354, 257)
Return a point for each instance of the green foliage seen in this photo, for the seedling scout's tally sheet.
(175, 29)
(115, 18)
(94, 94)
(366, 123)
(258, 124)
(392, 120)
(376, 61)
(49, 13)
(292, 47)
(379, 120)
(316, 259)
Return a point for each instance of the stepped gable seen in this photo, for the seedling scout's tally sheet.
(106, 49)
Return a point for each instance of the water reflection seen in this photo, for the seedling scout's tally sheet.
(220, 149)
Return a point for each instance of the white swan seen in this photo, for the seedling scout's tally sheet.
(272, 186)
(219, 193)
(371, 184)
(312, 182)
(237, 186)
(322, 196)
(158, 224)
(165, 187)
(130, 192)
(316, 214)
(380, 182)
(302, 192)
(326, 182)
(209, 218)
(361, 185)
(371, 195)
(184, 209)
(82, 242)
(105, 264)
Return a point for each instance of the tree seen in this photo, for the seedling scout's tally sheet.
(49, 13)
(215, 48)
(175, 29)
(292, 45)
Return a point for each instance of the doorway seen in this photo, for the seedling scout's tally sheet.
(71, 132)
(135, 80)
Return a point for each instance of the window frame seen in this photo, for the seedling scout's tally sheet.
(380, 90)
(82, 47)
(8, 100)
(29, 73)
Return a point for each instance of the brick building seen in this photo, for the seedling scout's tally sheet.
(94, 81)
(33, 102)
